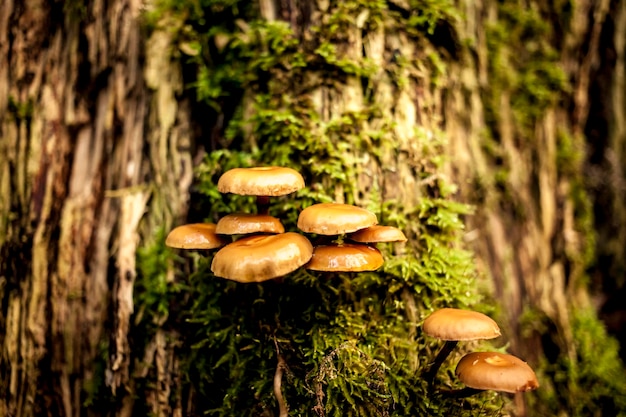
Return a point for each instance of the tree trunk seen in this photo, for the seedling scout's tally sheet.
(92, 143)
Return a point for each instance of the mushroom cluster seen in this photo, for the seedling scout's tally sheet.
(255, 246)
(268, 252)
(477, 370)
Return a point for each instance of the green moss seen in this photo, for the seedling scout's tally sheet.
(523, 65)
(155, 290)
(570, 162)
(426, 15)
(75, 10)
(599, 372)
(594, 378)
(21, 111)
(570, 155)
(96, 394)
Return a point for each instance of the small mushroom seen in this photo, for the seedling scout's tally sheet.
(260, 258)
(453, 325)
(334, 219)
(246, 223)
(494, 371)
(262, 182)
(195, 236)
(378, 234)
(345, 257)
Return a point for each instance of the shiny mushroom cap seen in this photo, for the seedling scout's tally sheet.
(262, 257)
(496, 371)
(195, 236)
(378, 234)
(260, 181)
(334, 219)
(458, 324)
(245, 223)
(345, 258)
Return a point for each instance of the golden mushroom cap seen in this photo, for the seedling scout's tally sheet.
(496, 371)
(345, 257)
(260, 181)
(259, 258)
(378, 234)
(245, 223)
(195, 236)
(335, 218)
(458, 324)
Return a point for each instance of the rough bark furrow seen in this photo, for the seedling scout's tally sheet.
(74, 122)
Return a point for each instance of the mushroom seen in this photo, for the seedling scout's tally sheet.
(453, 325)
(378, 234)
(494, 371)
(334, 219)
(345, 257)
(260, 258)
(195, 236)
(246, 223)
(262, 182)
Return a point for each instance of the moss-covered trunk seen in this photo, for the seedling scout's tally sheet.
(91, 143)
(506, 90)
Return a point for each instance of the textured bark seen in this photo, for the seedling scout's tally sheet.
(89, 144)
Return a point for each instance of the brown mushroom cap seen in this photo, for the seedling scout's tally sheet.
(345, 257)
(195, 236)
(260, 181)
(496, 371)
(457, 324)
(262, 257)
(334, 219)
(245, 223)
(378, 234)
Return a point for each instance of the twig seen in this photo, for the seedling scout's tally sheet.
(278, 377)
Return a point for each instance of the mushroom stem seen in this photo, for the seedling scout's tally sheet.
(278, 377)
(443, 353)
(461, 392)
(263, 204)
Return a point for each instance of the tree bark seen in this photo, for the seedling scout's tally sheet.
(531, 258)
(93, 138)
